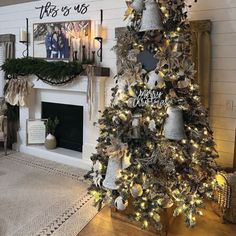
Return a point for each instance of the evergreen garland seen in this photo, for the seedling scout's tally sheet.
(53, 73)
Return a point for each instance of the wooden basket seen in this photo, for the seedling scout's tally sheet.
(124, 217)
(226, 196)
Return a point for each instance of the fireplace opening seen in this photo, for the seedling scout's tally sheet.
(69, 132)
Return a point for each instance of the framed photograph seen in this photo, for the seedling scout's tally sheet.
(36, 131)
(62, 40)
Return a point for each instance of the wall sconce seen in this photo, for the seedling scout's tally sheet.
(24, 38)
(98, 36)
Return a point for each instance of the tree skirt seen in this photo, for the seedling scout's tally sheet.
(41, 197)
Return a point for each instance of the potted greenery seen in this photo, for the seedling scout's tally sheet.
(51, 125)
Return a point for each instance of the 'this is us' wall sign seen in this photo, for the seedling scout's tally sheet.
(52, 10)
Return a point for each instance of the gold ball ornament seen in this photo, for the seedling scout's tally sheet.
(136, 190)
(123, 117)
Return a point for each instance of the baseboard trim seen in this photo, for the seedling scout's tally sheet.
(57, 157)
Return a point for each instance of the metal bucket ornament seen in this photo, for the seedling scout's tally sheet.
(151, 19)
(174, 124)
(136, 126)
(138, 5)
(113, 170)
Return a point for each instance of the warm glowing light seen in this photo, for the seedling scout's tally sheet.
(145, 223)
(142, 205)
(95, 195)
(163, 9)
(184, 141)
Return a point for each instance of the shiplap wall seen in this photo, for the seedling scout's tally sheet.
(11, 2)
(12, 18)
(221, 12)
(2, 58)
(223, 81)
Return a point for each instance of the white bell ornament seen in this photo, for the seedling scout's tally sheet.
(151, 19)
(174, 124)
(113, 171)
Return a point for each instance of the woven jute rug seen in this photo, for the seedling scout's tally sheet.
(42, 198)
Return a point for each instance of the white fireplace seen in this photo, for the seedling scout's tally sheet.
(74, 93)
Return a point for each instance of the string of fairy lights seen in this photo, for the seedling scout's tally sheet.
(137, 165)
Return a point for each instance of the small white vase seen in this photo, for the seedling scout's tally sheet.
(50, 142)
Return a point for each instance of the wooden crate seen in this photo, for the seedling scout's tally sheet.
(123, 216)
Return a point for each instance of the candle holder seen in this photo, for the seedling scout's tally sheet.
(93, 57)
(99, 51)
(99, 37)
(24, 38)
(84, 58)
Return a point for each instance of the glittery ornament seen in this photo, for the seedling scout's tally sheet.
(136, 190)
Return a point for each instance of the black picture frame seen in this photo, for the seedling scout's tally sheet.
(62, 40)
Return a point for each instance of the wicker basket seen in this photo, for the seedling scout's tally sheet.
(226, 196)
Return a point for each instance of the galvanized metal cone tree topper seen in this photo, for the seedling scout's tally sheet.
(151, 19)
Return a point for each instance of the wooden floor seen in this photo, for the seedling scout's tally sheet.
(209, 225)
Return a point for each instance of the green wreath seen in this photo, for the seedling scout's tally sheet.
(53, 73)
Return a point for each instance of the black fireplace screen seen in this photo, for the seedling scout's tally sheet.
(69, 132)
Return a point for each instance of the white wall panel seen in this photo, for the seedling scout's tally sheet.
(221, 12)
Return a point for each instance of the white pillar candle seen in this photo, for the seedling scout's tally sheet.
(77, 42)
(74, 44)
(86, 42)
(23, 35)
(93, 26)
(98, 30)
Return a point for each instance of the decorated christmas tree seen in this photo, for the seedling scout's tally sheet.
(155, 149)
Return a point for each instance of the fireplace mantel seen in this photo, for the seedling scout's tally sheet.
(74, 93)
(77, 85)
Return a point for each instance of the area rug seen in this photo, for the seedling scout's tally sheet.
(42, 198)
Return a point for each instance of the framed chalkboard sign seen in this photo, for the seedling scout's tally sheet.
(146, 58)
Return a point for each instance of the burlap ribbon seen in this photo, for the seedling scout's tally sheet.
(90, 89)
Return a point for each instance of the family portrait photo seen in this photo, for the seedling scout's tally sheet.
(62, 40)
